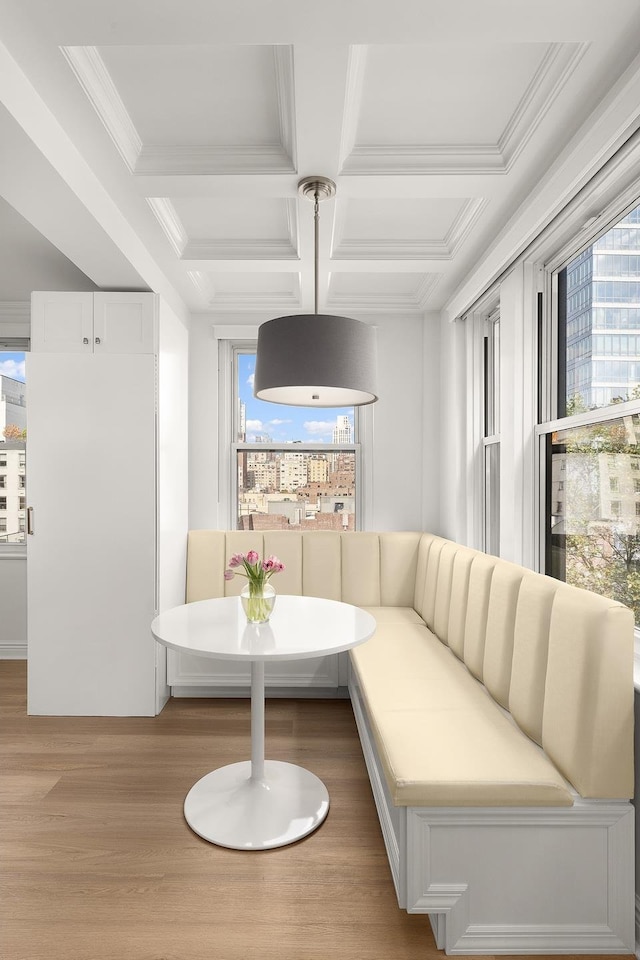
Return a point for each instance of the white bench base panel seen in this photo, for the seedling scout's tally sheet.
(516, 880)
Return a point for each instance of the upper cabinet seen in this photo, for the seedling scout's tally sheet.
(64, 322)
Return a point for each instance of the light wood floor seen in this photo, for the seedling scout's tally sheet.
(99, 864)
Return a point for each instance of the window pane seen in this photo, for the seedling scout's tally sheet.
(492, 499)
(600, 293)
(13, 432)
(262, 422)
(297, 489)
(594, 505)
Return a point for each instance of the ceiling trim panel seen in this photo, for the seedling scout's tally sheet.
(422, 249)
(557, 65)
(414, 301)
(187, 159)
(245, 302)
(239, 250)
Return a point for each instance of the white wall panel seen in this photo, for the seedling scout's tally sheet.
(13, 608)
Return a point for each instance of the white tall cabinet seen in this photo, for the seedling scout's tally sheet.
(107, 429)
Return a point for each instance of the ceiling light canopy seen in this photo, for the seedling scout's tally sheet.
(316, 360)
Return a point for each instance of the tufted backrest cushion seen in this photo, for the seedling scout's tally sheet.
(587, 723)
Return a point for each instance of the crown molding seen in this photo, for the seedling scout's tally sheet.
(352, 102)
(239, 250)
(239, 302)
(555, 68)
(285, 94)
(420, 249)
(166, 215)
(414, 301)
(94, 78)
(203, 159)
(392, 250)
(407, 158)
(464, 223)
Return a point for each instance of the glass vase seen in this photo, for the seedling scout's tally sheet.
(257, 601)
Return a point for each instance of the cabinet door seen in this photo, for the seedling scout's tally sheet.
(91, 566)
(124, 322)
(61, 322)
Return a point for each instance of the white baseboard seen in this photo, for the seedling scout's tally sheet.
(13, 651)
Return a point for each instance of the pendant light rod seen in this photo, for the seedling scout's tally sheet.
(316, 254)
(315, 359)
(316, 189)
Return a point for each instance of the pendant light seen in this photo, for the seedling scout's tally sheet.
(316, 360)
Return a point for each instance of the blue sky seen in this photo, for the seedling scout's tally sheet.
(12, 364)
(309, 424)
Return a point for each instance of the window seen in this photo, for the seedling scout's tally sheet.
(294, 467)
(13, 432)
(491, 431)
(593, 541)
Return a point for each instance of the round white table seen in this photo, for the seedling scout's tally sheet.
(260, 804)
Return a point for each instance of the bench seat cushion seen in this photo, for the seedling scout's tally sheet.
(440, 737)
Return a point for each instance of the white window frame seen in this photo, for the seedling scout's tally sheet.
(231, 338)
(628, 199)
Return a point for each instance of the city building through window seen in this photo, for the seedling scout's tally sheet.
(593, 448)
(296, 468)
(13, 434)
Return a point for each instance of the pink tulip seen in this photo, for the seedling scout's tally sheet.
(229, 574)
(252, 558)
(236, 559)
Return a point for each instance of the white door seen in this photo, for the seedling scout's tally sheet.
(91, 568)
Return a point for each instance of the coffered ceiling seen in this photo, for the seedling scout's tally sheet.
(170, 137)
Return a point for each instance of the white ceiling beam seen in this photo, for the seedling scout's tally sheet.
(289, 21)
(66, 188)
(321, 81)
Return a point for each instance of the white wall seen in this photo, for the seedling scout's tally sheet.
(13, 608)
(173, 486)
(404, 484)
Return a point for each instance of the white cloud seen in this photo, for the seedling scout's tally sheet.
(13, 369)
(277, 423)
(250, 379)
(319, 427)
(253, 426)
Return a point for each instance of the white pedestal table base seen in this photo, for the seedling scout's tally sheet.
(233, 809)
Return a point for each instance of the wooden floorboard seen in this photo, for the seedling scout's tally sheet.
(99, 864)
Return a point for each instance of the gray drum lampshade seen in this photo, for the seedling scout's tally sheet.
(316, 360)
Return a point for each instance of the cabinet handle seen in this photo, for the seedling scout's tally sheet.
(85, 339)
(30, 526)
(97, 339)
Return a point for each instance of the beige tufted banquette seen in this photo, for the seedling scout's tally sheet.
(463, 638)
(495, 709)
